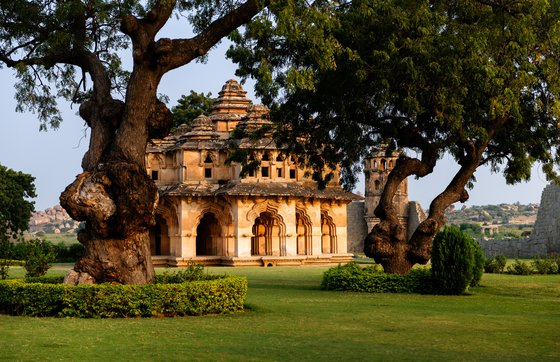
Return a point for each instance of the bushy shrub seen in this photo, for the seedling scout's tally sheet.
(519, 268)
(5, 256)
(479, 262)
(68, 253)
(224, 295)
(545, 266)
(38, 258)
(455, 263)
(188, 274)
(372, 279)
(496, 264)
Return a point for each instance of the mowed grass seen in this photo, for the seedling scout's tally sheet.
(290, 319)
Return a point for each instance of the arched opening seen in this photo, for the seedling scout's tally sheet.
(328, 234)
(383, 165)
(159, 237)
(303, 227)
(207, 235)
(268, 235)
(377, 185)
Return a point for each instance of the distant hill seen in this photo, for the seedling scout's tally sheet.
(503, 220)
(54, 220)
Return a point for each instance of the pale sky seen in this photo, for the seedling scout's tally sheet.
(54, 157)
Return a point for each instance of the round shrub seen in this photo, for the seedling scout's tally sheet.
(455, 263)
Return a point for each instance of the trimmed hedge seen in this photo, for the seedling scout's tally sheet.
(216, 296)
(372, 279)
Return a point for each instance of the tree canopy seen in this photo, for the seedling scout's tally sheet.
(478, 79)
(16, 190)
(191, 106)
(71, 50)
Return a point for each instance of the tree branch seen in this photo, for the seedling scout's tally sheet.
(178, 52)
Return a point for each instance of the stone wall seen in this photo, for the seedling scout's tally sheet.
(545, 239)
(357, 227)
(415, 216)
(512, 247)
(547, 226)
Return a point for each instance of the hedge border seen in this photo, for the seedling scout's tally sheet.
(372, 279)
(216, 296)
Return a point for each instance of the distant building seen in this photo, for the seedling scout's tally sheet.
(209, 214)
(377, 169)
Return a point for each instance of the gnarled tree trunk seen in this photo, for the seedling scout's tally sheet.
(387, 242)
(114, 195)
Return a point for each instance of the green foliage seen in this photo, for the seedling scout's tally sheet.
(38, 258)
(495, 264)
(519, 267)
(217, 296)
(479, 263)
(545, 266)
(372, 279)
(457, 261)
(5, 256)
(16, 188)
(472, 230)
(191, 106)
(191, 273)
(68, 253)
(431, 77)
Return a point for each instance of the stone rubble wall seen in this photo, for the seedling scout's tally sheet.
(415, 216)
(545, 239)
(524, 248)
(357, 227)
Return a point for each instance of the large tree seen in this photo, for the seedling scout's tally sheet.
(16, 190)
(70, 49)
(478, 79)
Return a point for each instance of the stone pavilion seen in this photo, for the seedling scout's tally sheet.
(209, 214)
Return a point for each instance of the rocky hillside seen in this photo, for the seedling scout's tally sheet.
(54, 220)
(512, 214)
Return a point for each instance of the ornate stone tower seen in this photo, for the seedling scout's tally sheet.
(230, 108)
(376, 169)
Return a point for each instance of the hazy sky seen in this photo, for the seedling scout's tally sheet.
(54, 157)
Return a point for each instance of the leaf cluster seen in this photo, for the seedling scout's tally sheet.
(16, 190)
(191, 106)
(428, 77)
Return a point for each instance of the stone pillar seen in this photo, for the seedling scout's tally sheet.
(314, 212)
(243, 228)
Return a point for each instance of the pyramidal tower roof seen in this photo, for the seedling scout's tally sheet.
(231, 104)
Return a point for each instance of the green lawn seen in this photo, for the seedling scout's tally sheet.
(291, 319)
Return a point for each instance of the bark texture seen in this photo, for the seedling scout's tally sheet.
(388, 242)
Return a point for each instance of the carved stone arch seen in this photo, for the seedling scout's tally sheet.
(383, 166)
(208, 156)
(169, 212)
(221, 216)
(261, 207)
(328, 233)
(165, 227)
(221, 210)
(303, 231)
(265, 215)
